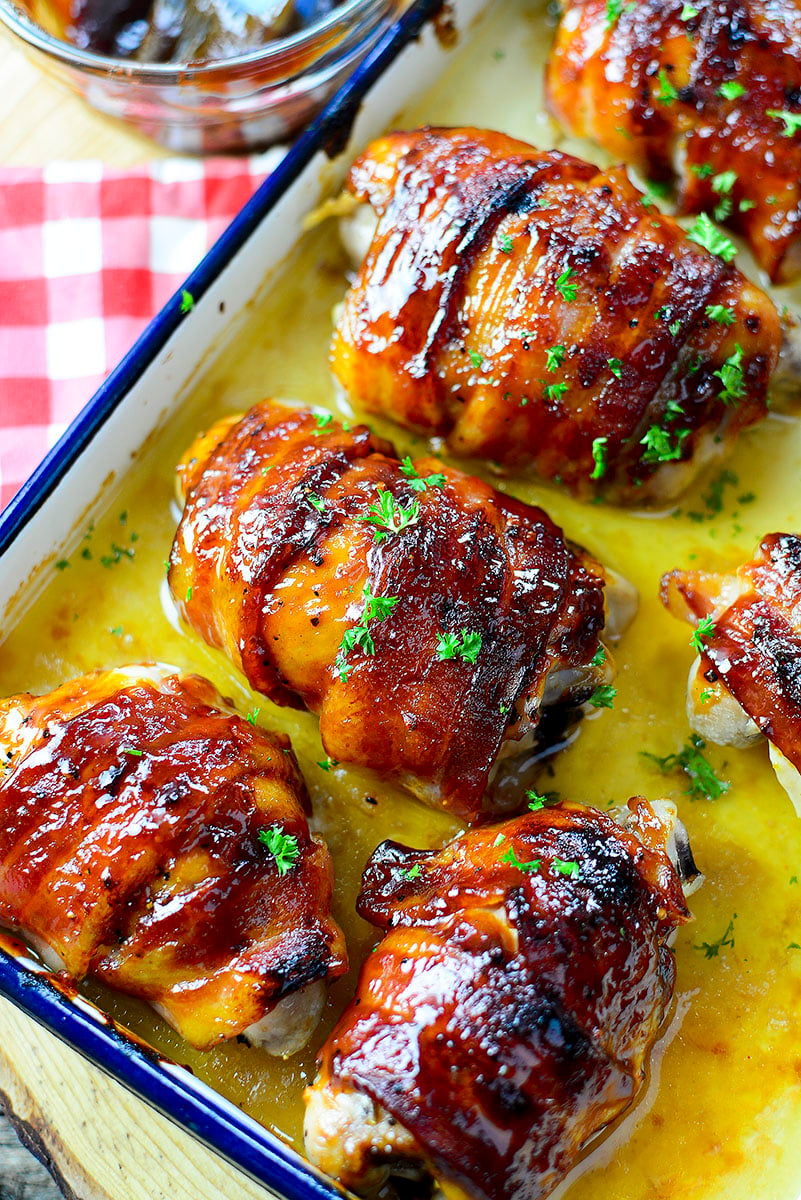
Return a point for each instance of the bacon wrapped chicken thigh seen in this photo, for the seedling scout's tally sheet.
(745, 683)
(427, 618)
(706, 94)
(155, 840)
(508, 1013)
(531, 309)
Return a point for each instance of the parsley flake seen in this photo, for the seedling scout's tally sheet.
(554, 357)
(662, 445)
(283, 847)
(376, 608)
(411, 872)
(706, 234)
(553, 391)
(731, 90)
(720, 314)
(252, 715)
(616, 367)
(599, 457)
(704, 629)
(731, 376)
(323, 419)
(563, 286)
(315, 502)
(510, 857)
(187, 301)
(704, 782)
(417, 482)
(667, 93)
(505, 244)
(465, 645)
(388, 517)
(476, 358)
(599, 657)
(328, 764)
(564, 867)
(713, 949)
(792, 121)
(603, 697)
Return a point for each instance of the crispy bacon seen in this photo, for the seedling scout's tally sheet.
(509, 1011)
(132, 801)
(752, 641)
(273, 559)
(530, 308)
(688, 100)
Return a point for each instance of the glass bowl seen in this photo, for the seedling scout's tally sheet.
(238, 103)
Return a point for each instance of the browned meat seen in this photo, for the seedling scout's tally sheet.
(155, 840)
(706, 94)
(426, 617)
(531, 309)
(747, 679)
(509, 1011)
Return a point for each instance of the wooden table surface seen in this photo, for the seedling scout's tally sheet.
(99, 1142)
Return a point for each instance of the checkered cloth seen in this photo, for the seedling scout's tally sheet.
(87, 256)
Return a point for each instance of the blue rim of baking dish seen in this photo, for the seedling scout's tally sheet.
(170, 1089)
(338, 115)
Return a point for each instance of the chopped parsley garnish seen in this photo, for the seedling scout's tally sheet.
(376, 608)
(417, 482)
(283, 847)
(662, 445)
(328, 763)
(792, 121)
(536, 801)
(323, 419)
(189, 593)
(704, 629)
(187, 301)
(705, 234)
(688, 12)
(564, 287)
(315, 502)
(411, 872)
(700, 772)
(564, 867)
(554, 357)
(135, 753)
(713, 496)
(475, 358)
(746, 205)
(614, 10)
(667, 93)
(553, 391)
(599, 457)
(706, 695)
(731, 376)
(720, 314)
(505, 244)
(731, 90)
(117, 631)
(599, 657)
(509, 856)
(701, 170)
(62, 564)
(388, 517)
(465, 645)
(603, 697)
(724, 182)
(616, 367)
(252, 715)
(713, 949)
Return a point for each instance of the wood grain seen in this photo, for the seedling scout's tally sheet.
(41, 120)
(98, 1141)
(21, 1177)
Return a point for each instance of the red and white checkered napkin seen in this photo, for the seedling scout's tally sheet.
(87, 256)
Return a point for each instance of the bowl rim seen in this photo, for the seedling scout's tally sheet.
(18, 21)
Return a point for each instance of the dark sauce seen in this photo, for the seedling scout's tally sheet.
(187, 30)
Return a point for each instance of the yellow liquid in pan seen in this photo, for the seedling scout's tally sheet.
(721, 1116)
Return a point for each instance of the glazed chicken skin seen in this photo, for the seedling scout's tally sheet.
(135, 807)
(532, 310)
(425, 638)
(508, 1013)
(710, 101)
(746, 682)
